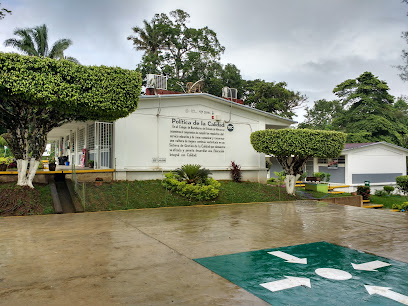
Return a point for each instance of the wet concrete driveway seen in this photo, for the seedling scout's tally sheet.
(144, 257)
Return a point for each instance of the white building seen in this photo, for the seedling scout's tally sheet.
(377, 162)
(169, 130)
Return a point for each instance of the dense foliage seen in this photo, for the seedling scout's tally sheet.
(364, 191)
(298, 142)
(273, 97)
(401, 207)
(402, 183)
(186, 54)
(365, 111)
(321, 115)
(292, 148)
(206, 190)
(39, 94)
(176, 50)
(192, 174)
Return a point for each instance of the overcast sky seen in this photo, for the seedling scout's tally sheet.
(313, 45)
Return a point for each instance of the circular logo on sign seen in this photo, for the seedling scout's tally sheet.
(230, 127)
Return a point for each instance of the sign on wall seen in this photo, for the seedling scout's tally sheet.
(196, 138)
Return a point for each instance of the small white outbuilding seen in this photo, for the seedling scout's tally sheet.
(378, 163)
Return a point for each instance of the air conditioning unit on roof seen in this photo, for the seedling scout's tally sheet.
(156, 81)
(229, 93)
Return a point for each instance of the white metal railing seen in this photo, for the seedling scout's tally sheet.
(103, 145)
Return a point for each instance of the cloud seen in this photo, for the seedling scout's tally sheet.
(312, 45)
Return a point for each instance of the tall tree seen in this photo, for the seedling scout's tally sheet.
(273, 97)
(34, 42)
(369, 113)
(404, 67)
(321, 115)
(3, 12)
(39, 94)
(174, 49)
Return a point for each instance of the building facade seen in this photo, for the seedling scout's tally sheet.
(167, 131)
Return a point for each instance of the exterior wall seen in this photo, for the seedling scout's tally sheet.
(378, 164)
(163, 134)
(337, 175)
(252, 176)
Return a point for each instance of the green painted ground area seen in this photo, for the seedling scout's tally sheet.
(328, 277)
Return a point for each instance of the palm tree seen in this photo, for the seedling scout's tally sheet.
(34, 42)
(149, 39)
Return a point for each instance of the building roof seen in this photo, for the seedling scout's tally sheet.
(219, 100)
(353, 146)
(349, 146)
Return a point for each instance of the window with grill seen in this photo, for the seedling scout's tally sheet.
(81, 139)
(73, 142)
(91, 137)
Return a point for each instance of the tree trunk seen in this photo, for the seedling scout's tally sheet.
(31, 173)
(290, 182)
(22, 172)
(24, 178)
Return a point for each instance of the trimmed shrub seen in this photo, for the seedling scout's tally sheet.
(208, 190)
(293, 147)
(364, 191)
(402, 183)
(380, 193)
(401, 207)
(236, 173)
(389, 189)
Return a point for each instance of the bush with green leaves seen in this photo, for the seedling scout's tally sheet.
(401, 207)
(303, 176)
(293, 147)
(389, 189)
(324, 176)
(271, 181)
(236, 173)
(206, 190)
(320, 175)
(380, 193)
(402, 183)
(192, 174)
(364, 191)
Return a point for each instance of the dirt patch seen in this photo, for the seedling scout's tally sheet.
(24, 201)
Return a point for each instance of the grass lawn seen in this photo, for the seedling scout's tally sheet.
(149, 194)
(23, 201)
(388, 201)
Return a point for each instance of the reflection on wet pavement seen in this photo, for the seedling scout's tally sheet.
(145, 256)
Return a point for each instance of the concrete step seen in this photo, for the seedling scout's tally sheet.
(373, 206)
(338, 186)
(366, 201)
(336, 192)
(300, 185)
